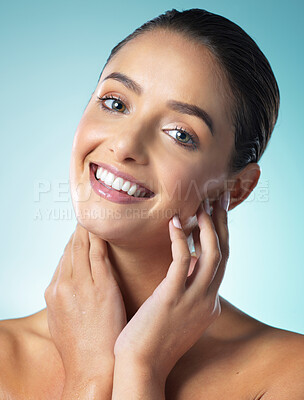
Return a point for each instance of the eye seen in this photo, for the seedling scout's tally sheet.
(112, 104)
(115, 104)
(184, 137)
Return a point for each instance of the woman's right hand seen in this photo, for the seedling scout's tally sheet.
(85, 308)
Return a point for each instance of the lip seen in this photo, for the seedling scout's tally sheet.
(123, 175)
(110, 194)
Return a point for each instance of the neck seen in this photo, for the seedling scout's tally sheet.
(138, 271)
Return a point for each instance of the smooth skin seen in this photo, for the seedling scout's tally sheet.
(123, 316)
(90, 343)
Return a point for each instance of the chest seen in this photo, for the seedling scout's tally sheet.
(226, 373)
(229, 373)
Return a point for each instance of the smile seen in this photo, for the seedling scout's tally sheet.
(115, 188)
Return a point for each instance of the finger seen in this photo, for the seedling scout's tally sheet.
(178, 270)
(100, 264)
(81, 268)
(208, 261)
(192, 263)
(220, 217)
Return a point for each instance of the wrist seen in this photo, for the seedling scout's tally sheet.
(83, 372)
(139, 369)
(133, 379)
(86, 389)
(89, 382)
(156, 369)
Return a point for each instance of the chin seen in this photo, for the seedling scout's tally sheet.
(114, 229)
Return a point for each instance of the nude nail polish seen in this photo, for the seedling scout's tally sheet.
(176, 222)
(225, 200)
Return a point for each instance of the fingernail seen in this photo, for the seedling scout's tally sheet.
(176, 222)
(207, 206)
(225, 200)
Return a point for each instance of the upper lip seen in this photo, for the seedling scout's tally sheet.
(123, 175)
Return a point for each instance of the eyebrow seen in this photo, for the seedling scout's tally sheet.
(178, 106)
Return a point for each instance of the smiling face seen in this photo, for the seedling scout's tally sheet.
(137, 123)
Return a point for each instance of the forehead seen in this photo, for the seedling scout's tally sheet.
(162, 56)
(168, 63)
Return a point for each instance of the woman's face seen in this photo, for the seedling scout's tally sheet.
(177, 151)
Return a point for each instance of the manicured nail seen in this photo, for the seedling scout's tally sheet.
(207, 206)
(225, 200)
(176, 222)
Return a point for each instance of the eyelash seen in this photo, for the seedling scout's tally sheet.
(178, 129)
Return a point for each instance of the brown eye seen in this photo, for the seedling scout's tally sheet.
(112, 104)
(115, 105)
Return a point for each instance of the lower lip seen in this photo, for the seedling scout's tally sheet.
(111, 194)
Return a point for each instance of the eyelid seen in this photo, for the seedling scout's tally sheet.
(193, 138)
(115, 96)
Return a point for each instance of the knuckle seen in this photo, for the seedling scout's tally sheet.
(171, 302)
(63, 290)
(95, 255)
(184, 258)
(215, 256)
(48, 292)
(169, 298)
(77, 245)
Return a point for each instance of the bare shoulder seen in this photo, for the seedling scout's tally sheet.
(240, 357)
(11, 352)
(284, 375)
(26, 359)
(274, 351)
(270, 359)
(286, 343)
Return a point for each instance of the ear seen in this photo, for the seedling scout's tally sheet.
(243, 184)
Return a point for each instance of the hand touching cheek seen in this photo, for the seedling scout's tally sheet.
(182, 306)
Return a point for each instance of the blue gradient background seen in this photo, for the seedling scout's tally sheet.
(51, 57)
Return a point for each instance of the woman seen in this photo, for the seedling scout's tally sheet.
(181, 115)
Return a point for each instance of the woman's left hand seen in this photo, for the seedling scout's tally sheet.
(182, 306)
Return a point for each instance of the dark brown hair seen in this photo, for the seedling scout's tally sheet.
(253, 86)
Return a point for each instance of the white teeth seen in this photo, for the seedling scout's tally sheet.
(117, 184)
(109, 179)
(99, 172)
(126, 186)
(132, 190)
(103, 175)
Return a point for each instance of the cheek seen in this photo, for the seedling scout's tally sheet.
(86, 139)
(187, 185)
(181, 185)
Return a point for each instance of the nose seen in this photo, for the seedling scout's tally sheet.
(129, 142)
